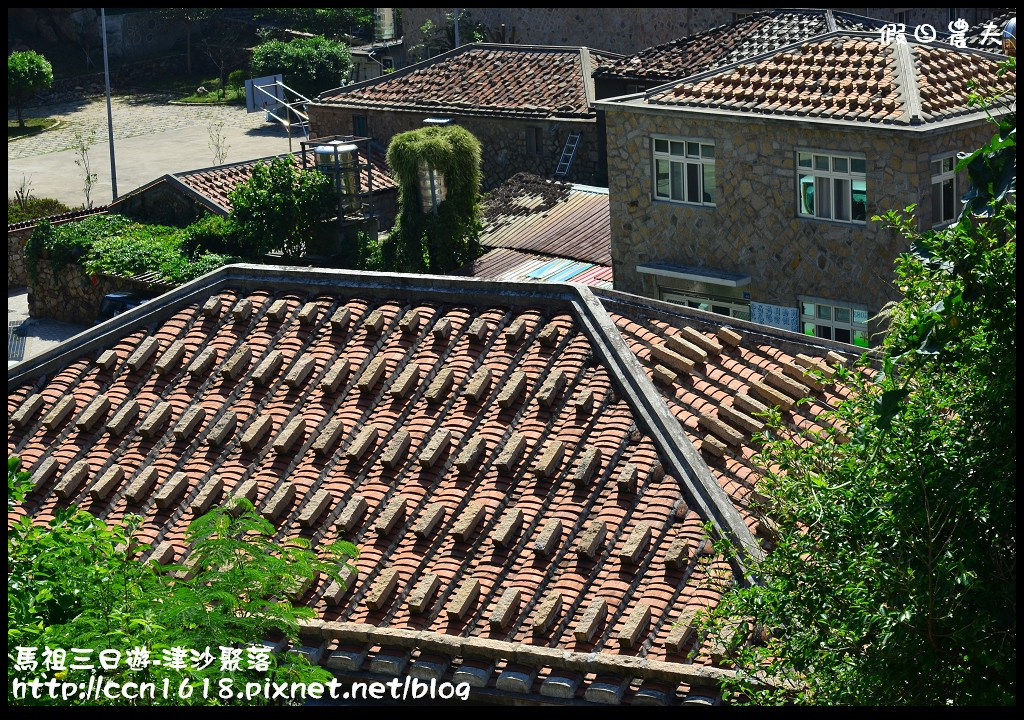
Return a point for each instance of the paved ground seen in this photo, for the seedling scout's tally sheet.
(151, 139)
(28, 337)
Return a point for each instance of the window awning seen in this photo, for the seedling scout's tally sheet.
(695, 274)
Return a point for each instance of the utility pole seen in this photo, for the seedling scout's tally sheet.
(110, 116)
(458, 11)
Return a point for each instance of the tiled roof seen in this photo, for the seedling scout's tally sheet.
(511, 476)
(844, 77)
(752, 35)
(215, 184)
(979, 38)
(482, 79)
(549, 218)
(516, 266)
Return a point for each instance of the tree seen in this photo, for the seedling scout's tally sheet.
(893, 576)
(281, 207)
(424, 239)
(78, 582)
(330, 22)
(309, 65)
(437, 38)
(188, 17)
(28, 72)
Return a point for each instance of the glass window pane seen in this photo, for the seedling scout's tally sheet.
(858, 165)
(936, 167)
(677, 181)
(709, 184)
(661, 145)
(707, 151)
(693, 182)
(720, 309)
(824, 331)
(842, 335)
(741, 314)
(947, 165)
(803, 159)
(824, 312)
(842, 196)
(823, 191)
(809, 329)
(678, 148)
(693, 149)
(807, 308)
(661, 178)
(860, 317)
(860, 338)
(842, 315)
(840, 164)
(948, 203)
(806, 199)
(936, 203)
(860, 200)
(821, 162)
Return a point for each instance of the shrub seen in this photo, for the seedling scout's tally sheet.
(33, 208)
(309, 65)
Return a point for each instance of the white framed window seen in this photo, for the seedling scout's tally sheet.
(832, 187)
(534, 139)
(684, 170)
(834, 320)
(945, 202)
(722, 306)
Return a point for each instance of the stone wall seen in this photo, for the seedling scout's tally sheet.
(754, 228)
(503, 140)
(70, 295)
(160, 204)
(18, 235)
(628, 30)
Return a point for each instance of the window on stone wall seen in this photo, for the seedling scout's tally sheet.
(359, 126)
(684, 170)
(945, 201)
(834, 320)
(534, 140)
(832, 187)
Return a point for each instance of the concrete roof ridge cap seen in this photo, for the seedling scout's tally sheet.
(650, 409)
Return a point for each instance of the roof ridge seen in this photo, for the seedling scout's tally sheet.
(907, 82)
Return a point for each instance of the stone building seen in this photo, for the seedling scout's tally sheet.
(628, 30)
(522, 102)
(751, 189)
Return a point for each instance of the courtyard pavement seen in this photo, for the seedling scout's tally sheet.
(151, 139)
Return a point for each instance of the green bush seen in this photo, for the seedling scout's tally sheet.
(309, 65)
(116, 245)
(280, 208)
(33, 208)
(214, 234)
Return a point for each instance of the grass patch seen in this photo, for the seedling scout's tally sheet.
(213, 97)
(34, 126)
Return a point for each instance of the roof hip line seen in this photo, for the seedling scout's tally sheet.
(908, 82)
(681, 457)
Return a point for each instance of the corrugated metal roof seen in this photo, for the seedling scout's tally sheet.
(513, 265)
(578, 227)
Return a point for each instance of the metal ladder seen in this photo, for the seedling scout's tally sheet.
(568, 153)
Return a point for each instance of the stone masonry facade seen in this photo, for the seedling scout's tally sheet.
(629, 30)
(72, 296)
(754, 228)
(504, 141)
